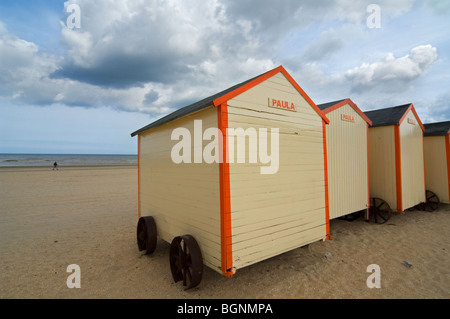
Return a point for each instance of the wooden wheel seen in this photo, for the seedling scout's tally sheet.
(379, 210)
(146, 234)
(186, 261)
(432, 202)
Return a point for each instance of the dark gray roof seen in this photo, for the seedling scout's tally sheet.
(437, 129)
(324, 106)
(193, 107)
(387, 116)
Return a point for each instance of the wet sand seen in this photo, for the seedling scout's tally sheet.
(87, 216)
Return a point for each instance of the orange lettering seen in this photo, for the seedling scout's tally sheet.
(349, 118)
(281, 104)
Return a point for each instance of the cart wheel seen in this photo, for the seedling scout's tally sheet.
(432, 202)
(146, 234)
(186, 261)
(379, 210)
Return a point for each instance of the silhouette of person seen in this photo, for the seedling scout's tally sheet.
(55, 166)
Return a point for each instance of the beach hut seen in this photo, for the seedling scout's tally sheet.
(437, 162)
(396, 157)
(259, 190)
(347, 154)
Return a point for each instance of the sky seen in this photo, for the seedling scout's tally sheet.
(79, 76)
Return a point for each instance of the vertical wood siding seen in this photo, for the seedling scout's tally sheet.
(271, 214)
(413, 179)
(183, 198)
(382, 175)
(436, 167)
(347, 162)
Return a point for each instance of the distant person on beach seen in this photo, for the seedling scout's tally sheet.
(55, 166)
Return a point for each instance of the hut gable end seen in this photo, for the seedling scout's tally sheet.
(225, 95)
(392, 115)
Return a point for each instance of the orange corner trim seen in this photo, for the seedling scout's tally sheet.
(325, 159)
(424, 173)
(139, 175)
(398, 168)
(225, 198)
(368, 175)
(447, 151)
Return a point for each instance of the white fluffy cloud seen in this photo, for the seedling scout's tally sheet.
(393, 74)
(23, 70)
(155, 56)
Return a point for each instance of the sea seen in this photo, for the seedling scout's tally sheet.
(65, 159)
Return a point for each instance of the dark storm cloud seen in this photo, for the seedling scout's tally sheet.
(155, 56)
(121, 71)
(125, 45)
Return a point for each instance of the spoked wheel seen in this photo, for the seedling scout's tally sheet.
(432, 202)
(146, 234)
(186, 261)
(379, 211)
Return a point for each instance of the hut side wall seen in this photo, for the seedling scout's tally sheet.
(183, 198)
(412, 162)
(382, 177)
(347, 162)
(436, 167)
(271, 214)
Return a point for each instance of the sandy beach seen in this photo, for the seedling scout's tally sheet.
(87, 216)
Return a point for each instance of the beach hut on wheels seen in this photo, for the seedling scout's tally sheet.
(437, 163)
(347, 153)
(396, 157)
(235, 178)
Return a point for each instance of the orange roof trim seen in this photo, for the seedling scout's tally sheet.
(261, 79)
(353, 105)
(411, 108)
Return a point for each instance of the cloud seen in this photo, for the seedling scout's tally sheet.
(156, 56)
(195, 48)
(23, 69)
(393, 74)
(330, 41)
(436, 109)
(438, 7)
(274, 17)
(129, 44)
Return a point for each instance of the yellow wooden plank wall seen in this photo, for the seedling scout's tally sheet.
(436, 167)
(271, 214)
(382, 164)
(413, 170)
(183, 198)
(347, 162)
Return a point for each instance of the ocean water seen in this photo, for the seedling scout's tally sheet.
(65, 159)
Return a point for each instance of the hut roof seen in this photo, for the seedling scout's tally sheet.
(327, 105)
(391, 115)
(331, 106)
(227, 94)
(387, 116)
(437, 129)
